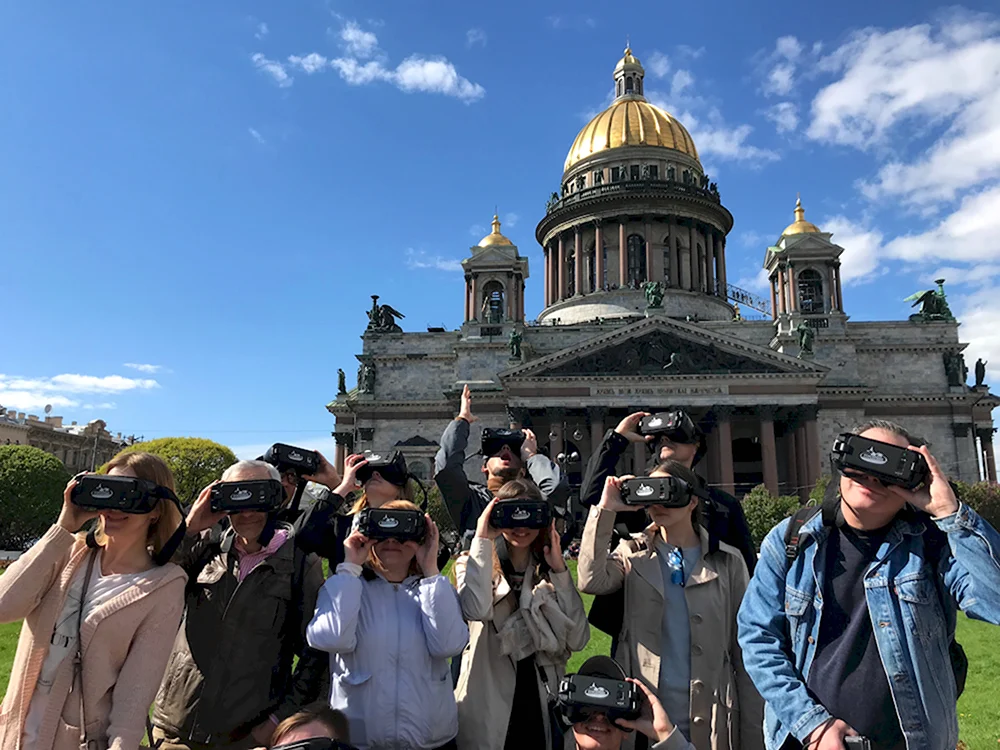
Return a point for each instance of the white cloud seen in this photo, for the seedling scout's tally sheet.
(311, 63)
(148, 369)
(262, 30)
(750, 238)
(474, 37)
(863, 247)
(779, 67)
(435, 76)
(577, 23)
(255, 134)
(980, 316)
(106, 406)
(681, 82)
(273, 68)
(784, 115)
(358, 74)
(977, 275)
(692, 53)
(510, 220)
(325, 445)
(30, 393)
(658, 64)
(478, 231)
(357, 41)
(759, 282)
(420, 259)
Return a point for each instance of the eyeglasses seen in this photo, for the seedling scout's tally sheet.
(675, 561)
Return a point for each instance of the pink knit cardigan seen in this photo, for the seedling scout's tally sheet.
(126, 644)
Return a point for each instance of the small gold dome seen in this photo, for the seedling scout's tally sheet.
(494, 237)
(630, 122)
(800, 225)
(628, 59)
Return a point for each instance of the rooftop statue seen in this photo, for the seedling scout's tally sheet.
(654, 293)
(933, 305)
(382, 318)
(806, 336)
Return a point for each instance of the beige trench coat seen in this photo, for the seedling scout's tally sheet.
(485, 691)
(726, 710)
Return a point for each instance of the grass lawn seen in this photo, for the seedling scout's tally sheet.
(978, 709)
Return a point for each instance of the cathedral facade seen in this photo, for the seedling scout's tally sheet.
(639, 315)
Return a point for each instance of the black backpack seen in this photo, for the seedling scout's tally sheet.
(935, 544)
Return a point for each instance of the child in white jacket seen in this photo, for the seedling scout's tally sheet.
(390, 622)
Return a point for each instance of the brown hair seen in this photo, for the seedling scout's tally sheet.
(890, 427)
(522, 489)
(331, 718)
(402, 493)
(373, 562)
(680, 471)
(153, 469)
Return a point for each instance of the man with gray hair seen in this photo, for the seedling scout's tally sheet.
(251, 593)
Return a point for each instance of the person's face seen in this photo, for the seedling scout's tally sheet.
(865, 494)
(125, 528)
(249, 524)
(520, 537)
(670, 517)
(290, 481)
(680, 452)
(379, 491)
(506, 464)
(306, 732)
(597, 733)
(396, 555)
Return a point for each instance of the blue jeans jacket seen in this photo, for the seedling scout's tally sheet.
(913, 615)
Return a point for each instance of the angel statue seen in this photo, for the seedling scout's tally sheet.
(933, 305)
(382, 318)
(654, 294)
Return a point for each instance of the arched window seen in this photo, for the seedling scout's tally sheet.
(811, 291)
(619, 91)
(666, 260)
(628, 85)
(591, 263)
(638, 85)
(636, 258)
(492, 310)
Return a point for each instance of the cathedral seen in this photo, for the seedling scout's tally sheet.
(639, 315)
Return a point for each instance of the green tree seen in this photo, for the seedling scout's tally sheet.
(982, 497)
(195, 462)
(816, 495)
(764, 511)
(31, 489)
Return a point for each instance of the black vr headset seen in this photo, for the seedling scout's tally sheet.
(391, 468)
(668, 492)
(100, 492)
(599, 688)
(289, 458)
(316, 743)
(392, 523)
(677, 426)
(889, 464)
(494, 439)
(521, 513)
(266, 495)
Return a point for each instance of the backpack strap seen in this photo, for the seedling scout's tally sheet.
(793, 533)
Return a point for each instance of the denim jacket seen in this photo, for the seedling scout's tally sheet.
(913, 616)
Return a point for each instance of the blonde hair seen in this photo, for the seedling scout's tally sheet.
(153, 469)
(405, 492)
(373, 562)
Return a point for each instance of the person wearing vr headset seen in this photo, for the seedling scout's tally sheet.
(891, 556)
(390, 621)
(677, 439)
(250, 596)
(100, 611)
(681, 598)
(525, 619)
(504, 460)
(313, 728)
(595, 726)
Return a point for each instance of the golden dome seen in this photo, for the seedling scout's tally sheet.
(628, 59)
(630, 121)
(494, 237)
(800, 225)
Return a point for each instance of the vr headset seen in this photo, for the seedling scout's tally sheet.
(316, 743)
(391, 468)
(265, 495)
(889, 464)
(494, 439)
(582, 695)
(674, 425)
(289, 458)
(521, 514)
(98, 492)
(394, 523)
(669, 492)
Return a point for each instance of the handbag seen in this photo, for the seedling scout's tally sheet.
(85, 742)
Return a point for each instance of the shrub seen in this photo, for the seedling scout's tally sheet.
(31, 490)
(764, 511)
(816, 495)
(982, 497)
(195, 462)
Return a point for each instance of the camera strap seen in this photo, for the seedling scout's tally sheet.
(85, 744)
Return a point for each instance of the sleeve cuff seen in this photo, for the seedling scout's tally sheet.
(963, 518)
(674, 741)
(349, 569)
(561, 580)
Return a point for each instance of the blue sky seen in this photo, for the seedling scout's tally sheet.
(197, 199)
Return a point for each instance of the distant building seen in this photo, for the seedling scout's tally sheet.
(79, 447)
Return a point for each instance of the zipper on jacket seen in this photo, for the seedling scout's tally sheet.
(395, 587)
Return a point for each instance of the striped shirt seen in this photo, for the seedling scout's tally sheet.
(247, 561)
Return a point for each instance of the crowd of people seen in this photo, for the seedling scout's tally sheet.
(839, 634)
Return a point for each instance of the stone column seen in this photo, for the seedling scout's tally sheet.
(989, 459)
(561, 271)
(545, 288)
(692, 259)
(598, 257)
(710, 261)
(802, 460)
(509, 297)
(723, 278)
(768, 450)
(345, 441)
(595, 415)
(467, 304)
(725, 428)
(792, 296)
(577, 263)
(812, 448)
(831, 286)
(622, 255)
(649, 252)
(792, 463)
(685, 267)
(782, 297)
(774, 301)
(475, 300)
(840, 288)
(555, 432)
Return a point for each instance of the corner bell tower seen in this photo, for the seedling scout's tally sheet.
(494, 281)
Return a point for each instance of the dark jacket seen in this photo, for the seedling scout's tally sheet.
(231, 665)
(467, 500)
(724, 521)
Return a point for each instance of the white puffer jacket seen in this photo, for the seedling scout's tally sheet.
(389, 647)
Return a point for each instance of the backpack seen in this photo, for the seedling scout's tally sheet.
(934, 544)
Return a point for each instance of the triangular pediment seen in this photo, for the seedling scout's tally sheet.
(492, 255)
(661, 347)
